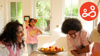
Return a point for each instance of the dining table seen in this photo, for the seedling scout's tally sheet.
(39, 53)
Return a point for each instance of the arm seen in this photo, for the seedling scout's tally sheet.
(70, 47)
(85, 37)
(26, 23)
(84, 50)
(38, 30)
(74, 53)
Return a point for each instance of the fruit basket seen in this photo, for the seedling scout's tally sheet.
(51, 50)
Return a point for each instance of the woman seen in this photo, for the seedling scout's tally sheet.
(11, 43)
(32, 33)
(77, 38)
(95, 37)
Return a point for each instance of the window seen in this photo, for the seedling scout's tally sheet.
(43, 16)
(98, 18)
(16, 11)
(71, 9)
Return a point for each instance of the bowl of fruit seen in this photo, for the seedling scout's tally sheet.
(51, 50)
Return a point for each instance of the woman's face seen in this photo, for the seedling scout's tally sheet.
(19, 34)
(32, 23)
(72, 33)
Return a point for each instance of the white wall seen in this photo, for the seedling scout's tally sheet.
(1, 19)
(1, 15)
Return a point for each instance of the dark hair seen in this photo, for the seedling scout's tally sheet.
(8, 36)
(71, 24)
(31, 20)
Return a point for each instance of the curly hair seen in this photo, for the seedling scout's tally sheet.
(9, 34)
(71, 24)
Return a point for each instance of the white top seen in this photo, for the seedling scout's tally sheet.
(14, 49)
(95, 36)
(90, 38)
(75, 40)
(4, 51)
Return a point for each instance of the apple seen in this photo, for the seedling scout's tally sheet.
(56, 47)
(62, 48)
(50, 46)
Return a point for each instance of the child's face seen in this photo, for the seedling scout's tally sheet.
(32, 23)
(72, 33)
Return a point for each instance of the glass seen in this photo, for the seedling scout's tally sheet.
(43, 15)
(13, 19)
(47, 25)
(74, 7)
(39, 8)
(68, 7)
(20, 20)
(19, 9)
(67, 17)
(39, 23)
(42, 8)
(71, 7)
(13, 9)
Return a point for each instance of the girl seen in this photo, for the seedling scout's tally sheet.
(32, 33)
(11, 43)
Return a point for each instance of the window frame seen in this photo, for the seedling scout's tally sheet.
(9, 10)
(47, 34)
(71, 12)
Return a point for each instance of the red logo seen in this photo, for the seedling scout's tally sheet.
(88, 11)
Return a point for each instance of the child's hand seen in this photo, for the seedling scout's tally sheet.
(35, 27)
(26, 22)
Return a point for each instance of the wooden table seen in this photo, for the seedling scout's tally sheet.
(38, 53)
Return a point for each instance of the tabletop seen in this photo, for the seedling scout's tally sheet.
(38, 53)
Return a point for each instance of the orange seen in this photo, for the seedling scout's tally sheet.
(46, 49)
(50, 49)
(54, 49)
(52, 46)
(59, 49)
